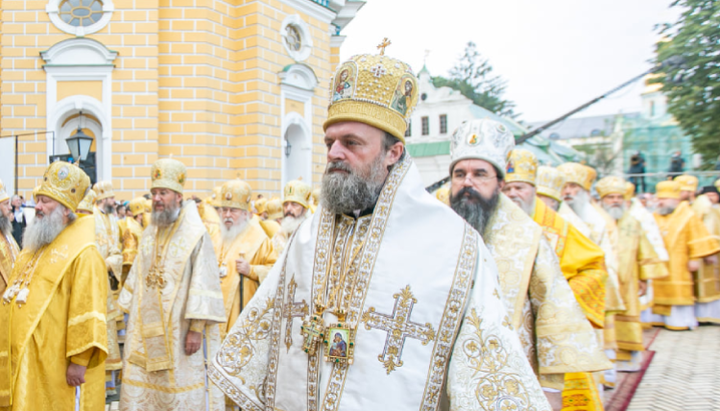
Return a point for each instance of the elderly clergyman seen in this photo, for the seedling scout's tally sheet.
(55, 305)
(556, 336)
(175, 303)
(415, 303)
(296, 209)
(8, 247)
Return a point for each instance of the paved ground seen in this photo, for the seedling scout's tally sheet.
(684, 374)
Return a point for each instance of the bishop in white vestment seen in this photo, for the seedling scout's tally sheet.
(382, 300)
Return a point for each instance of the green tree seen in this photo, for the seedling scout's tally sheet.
(693, 86)
(473, 76)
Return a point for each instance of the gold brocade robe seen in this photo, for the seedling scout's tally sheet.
(257, 249)
(707, 278)
(556, 335)
(210, 218)
(685, 238)
(638, 262)
(271, 227)
(9, 251)
(130, 232)
(63, 321)
(581, 261)
(107, 237)
(173, 287)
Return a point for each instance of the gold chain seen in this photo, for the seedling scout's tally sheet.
(20, 286)
(155, 276)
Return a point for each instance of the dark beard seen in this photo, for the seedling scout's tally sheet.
(358, 190)
(476, 210)
(108, 208)
(665, 210)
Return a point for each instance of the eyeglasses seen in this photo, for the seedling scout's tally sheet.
(477, 179)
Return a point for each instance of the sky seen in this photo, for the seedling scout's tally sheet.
(554, 54)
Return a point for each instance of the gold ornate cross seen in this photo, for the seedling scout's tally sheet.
(398, 327)
(382, 46)
(292, 310)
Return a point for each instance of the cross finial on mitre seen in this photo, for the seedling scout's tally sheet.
(384, 44)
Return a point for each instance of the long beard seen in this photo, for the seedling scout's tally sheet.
(42, 231)
(476, 209)
(230, 234)
(5, 225)
(665, 210)
(579, 202)
(290, 224)
(527, 206)
(358, 190)
(166, 217)
(616, 212)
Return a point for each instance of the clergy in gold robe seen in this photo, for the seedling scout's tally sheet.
(131, 229)
(296, 209)
(52, 353)
(603, 232)
(707, 277)
(581, 261)
(107, 236)
(413, 316)
(8, 247)
(540, 302)
(175, 303)
(245, 253)
(638, 263)
(687, 241)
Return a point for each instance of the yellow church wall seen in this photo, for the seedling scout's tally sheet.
(85, 88)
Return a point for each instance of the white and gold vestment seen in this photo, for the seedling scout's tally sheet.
(428, 322)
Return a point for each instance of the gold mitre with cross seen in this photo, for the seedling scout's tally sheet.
(376, 90)
(629, 190)
(667, 189)
(87, 202)
(521, 166)
(298, 192)
(482, 139)
(137, 206)
(235, 194)
(65, 183)
(168, 173)
(103, 189)
(687, 182)
(611, 185)
(3, 192)
(550, 182)
(274, 209)
(579, 174)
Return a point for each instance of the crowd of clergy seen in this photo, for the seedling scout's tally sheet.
(517, 286)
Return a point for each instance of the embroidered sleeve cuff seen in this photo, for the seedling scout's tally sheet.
(197, 325)
(82, 358)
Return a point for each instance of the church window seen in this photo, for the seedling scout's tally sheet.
(81, 13)
(408, 132)
(293, 38)
(443, 123)
(296, 37)
(425, 125)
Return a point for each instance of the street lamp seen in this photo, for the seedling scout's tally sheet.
(79, 145)
(288, 148)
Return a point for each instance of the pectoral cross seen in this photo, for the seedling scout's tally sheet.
(313, 332)
(382, 46)
(398, 327)
(292, 310)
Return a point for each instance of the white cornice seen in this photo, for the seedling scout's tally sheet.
(312, 9)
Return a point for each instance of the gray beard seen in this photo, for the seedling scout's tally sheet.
(359, 190)
(166, 217)
(478, 212)
(230, 234)
(665, 210)
(527, 208)
(43, 231)
(578, 204)
(615, 212)
(5, 225)
(290, 224)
